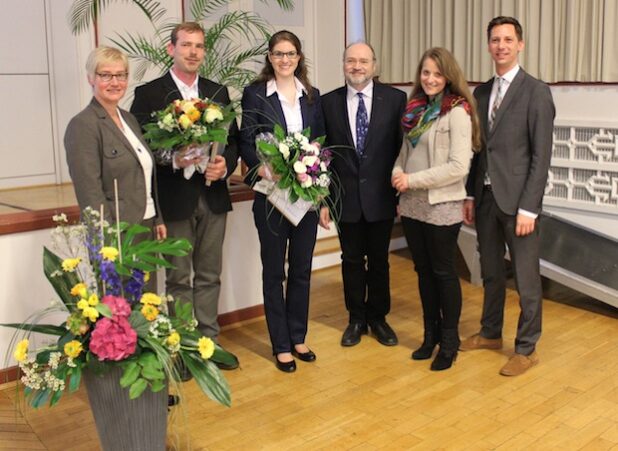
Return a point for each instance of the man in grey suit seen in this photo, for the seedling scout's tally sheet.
(506, 186)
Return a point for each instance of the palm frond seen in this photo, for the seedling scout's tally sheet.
(144, 52)
(286, 5)
(84, 12)
(246, 25)
(201, 9)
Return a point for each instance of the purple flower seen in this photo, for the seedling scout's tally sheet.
(110, 278)
(134, 286)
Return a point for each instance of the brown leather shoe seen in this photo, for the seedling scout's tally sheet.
(519, 364)
(478, 342)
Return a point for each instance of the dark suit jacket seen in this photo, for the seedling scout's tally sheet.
(97, 153)
(517, 151)
(366, 184)
(261, 113)
(177, 195)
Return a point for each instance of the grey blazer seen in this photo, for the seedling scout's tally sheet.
(97, 153)
(517, 151)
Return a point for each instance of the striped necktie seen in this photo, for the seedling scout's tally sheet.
(497, 102)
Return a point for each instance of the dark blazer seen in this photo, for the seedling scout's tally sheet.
(177, 195)
(366, 183)
(97, 153)
(261, 113)
(516, 152)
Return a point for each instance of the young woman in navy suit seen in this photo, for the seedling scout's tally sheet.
(282, 94)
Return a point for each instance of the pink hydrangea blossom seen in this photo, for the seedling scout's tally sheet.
(118, 306)
(113, 339)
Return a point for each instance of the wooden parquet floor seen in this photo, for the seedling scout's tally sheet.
(370, 397)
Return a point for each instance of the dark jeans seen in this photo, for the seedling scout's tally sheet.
(433, 252)
(286, 314)
(365, 269)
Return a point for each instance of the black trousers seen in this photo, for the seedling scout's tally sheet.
(433, 252)
(365, 269)
(286, 313)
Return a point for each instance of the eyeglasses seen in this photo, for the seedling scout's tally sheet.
(106, 77)
(279, 55)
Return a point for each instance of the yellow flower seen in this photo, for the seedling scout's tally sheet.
(173, 339)
(206, 347)
(80, 290)
(146, 276)
(193, 114)
(73, 348)
(82, 304)
(185, 121)
(213, 113)
(21, 350)
(150, 298)
(109, 253)
(150, 312)
(69, 264)
(93, 300)
(187, 105)
(91, 313)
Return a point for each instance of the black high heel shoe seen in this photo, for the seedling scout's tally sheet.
(308, 356)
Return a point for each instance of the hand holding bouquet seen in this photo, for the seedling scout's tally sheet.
(189, 131)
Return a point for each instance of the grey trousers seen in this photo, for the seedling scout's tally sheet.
(196, 278)
(494, 230)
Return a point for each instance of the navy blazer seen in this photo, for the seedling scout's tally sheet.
(178, 197)
(366, 182)
(261, 113)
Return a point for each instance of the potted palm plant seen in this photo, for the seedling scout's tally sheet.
(227, 61)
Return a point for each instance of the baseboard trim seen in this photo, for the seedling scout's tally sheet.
(255, 311)
(8, 375)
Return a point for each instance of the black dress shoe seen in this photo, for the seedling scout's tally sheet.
(232, 365)
(308, 356)
(352, 334)
(286, 367)
(384, 334)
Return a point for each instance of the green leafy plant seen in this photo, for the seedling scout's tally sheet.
(226, 61)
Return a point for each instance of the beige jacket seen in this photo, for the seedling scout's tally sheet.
(450, 144)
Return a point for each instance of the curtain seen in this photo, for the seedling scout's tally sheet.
(565, 40)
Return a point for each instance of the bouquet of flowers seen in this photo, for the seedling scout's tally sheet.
(188, 126)
(110, 320)
(301, 167)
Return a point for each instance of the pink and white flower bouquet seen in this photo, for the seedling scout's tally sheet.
(301, 166)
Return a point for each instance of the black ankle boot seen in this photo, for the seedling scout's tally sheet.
(448, 350)
(430, 340)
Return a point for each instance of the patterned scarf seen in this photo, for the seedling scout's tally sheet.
(420, 113)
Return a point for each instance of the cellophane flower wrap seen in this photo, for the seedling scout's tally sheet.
(187, 122)
(301, 165)
(110, 319)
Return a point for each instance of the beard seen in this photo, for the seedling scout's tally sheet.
(358, 79)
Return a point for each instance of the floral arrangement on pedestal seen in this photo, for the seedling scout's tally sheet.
(110, 319)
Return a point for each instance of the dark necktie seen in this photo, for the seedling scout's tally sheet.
(362, 125)
(497, 102)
